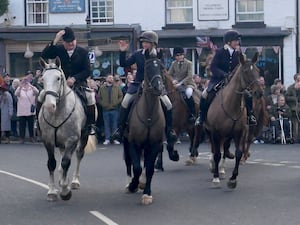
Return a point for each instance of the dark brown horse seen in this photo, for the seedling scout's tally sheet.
(145, 129)
(180, 113)
(226, 117)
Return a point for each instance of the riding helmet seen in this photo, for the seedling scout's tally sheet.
(69, 35)
(178, 50)
(149, 36)
(232, 35)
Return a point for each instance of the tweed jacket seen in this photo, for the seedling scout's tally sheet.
(77, 66)
(292, 97)
(183, 73)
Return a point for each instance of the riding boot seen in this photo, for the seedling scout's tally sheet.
(202, 112)
(251, 119)
(118, 133)
(91, 119)
(191, 106)
(170, 133)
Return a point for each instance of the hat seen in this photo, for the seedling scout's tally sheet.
(69, 35)
(5, 74)
(28, 72)
(178, 50)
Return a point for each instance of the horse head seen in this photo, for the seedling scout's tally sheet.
(249, 75)
(152, 72)
(54, 83)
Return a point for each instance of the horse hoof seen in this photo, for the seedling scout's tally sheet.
(231, 184)
(159, 168)
(131, 189)
(216, 182)
(75, 185)
(67, 196)
(191, 161)
(142, 186)
(52, 197)
(174, 156)
(147, 199)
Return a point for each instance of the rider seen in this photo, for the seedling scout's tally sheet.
(149, 41)
(76, 66)
(181, 72)
(223, 63)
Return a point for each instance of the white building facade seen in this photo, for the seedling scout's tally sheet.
(267, 26)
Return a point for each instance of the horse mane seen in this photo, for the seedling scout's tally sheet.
(169, 82)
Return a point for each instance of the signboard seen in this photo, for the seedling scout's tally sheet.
(213, 10)
(67, 6)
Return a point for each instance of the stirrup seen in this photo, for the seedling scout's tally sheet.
(172, 136)
(198, 121)
(252, 120)
(92, 130)
(117, 134)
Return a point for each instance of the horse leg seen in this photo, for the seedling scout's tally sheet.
(127, 160)
(150, 157)
(216, 145)
(173, 154)
(135, 154)
(232, 181)
(75, 184)
(52, 192)
(66, 192)
(159, 162)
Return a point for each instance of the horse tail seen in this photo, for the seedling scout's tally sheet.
(91, 144)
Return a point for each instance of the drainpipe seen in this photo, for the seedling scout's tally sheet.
(297, 36)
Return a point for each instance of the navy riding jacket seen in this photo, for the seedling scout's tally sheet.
(77, 66)
(138, 58)
(222, 65)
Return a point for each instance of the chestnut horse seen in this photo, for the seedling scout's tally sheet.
(146, 125)
(227, 118)
(180, 123)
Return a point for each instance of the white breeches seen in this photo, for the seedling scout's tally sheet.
(189, 92)
(128, 98)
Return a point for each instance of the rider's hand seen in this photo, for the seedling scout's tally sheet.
(175, 82)
(71, 81)
(58, 36)
(123, 45)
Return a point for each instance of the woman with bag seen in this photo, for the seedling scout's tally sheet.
(26, 94)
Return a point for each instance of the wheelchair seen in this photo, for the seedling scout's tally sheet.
(282, 131)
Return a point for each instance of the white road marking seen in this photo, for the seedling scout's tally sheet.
(95, 213)
(103, 218)
(25, 179)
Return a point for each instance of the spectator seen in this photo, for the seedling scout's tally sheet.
(273, 97)
(14, 119)
(6, 109)
(37, 79)
(110, 97)
(26, 94)
(278, 83)
(281, 111)
(292, 97)
(197, 79)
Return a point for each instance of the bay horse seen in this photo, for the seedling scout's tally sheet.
(62, 124)
(226, 117)
(145, 133)
(180, 123)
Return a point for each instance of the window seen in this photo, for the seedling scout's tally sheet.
(250, 10)
(102, 11)
(37, 12)
(179, 11)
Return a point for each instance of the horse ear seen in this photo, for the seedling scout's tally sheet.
(241, 58)
(255, 57)
(42, 62)
(57, 62)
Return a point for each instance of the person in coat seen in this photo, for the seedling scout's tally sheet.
(149, 40)
(223, 63)
(181, 73)
(76, 66)
(6, 109)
